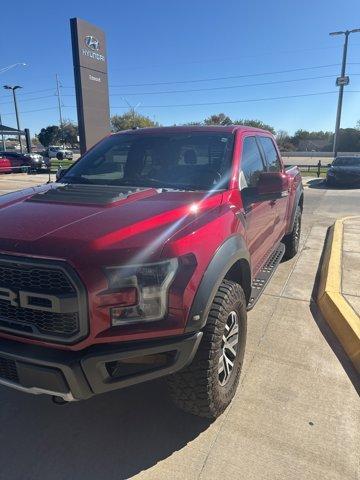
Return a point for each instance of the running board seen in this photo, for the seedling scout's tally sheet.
(259, 283)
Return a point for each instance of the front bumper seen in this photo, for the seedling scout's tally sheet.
(344, 180)
(98, 369)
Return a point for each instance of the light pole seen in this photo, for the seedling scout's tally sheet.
(341, 82)
(16, 87)
(2, 135)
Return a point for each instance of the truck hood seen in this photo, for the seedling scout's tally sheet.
(68, 221)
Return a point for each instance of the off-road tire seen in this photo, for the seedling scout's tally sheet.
(292, 240)
(197, 388)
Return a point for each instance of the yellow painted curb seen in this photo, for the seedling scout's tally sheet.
(338, 313)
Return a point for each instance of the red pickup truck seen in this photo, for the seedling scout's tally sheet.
(141, 261)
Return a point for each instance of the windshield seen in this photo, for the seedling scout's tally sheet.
(190, 161)
(347, 162)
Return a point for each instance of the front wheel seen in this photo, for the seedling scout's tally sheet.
(207, 386)
(292, 240)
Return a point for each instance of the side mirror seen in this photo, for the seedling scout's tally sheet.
(60, 173)
(328, 165)
(273, 183)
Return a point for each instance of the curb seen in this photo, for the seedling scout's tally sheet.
(338, 313)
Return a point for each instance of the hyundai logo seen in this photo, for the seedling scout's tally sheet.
(92, 42)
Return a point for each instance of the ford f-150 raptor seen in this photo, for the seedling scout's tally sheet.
(141, 261)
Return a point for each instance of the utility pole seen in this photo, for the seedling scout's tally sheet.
(16, 87)
(2, 136)
(341, 82)
(132, 110)
(59, 99)
(58, 94)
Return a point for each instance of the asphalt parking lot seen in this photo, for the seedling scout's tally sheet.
(18, 181)
(296, 414)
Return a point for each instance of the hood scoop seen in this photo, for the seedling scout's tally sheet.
(84, 194)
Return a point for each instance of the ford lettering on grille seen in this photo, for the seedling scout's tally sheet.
(39, 301)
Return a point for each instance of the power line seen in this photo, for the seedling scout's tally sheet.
(212, 79)
(36, 91)
(32, 111)
(201, 104)
(275, 82)
(30, 99)
(240, 101)
(183, 91)
(230, 77)
(226, 59)
(227, 87)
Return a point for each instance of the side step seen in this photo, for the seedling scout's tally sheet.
(264, 275)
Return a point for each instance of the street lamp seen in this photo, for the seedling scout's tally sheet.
(3, 70)
(341, 82)
(16, 87)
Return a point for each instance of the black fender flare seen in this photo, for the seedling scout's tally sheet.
(299, 193)
(231, 251)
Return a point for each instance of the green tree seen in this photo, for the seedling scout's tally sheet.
(218, 119)
(68, 133)
(283, 140)
(35, 142)
(349, 140)
(49, 135)
(255, 124)
(129, 120)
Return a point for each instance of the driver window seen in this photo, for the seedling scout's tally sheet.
(271, 154)
(251, 165)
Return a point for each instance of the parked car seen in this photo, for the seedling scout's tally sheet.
(344, 171)
(59, 153)
(142, 261)
(14, 162)
(38, 162)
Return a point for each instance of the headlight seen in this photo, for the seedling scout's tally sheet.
(330, 172)
(152, 282)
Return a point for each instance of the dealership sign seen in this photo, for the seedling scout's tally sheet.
(91, 82)
(93, 46)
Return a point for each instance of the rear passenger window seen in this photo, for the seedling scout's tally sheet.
(251, 163)
(271, 154)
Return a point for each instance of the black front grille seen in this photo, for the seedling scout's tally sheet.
(39, 277)
(27, 320)
(8, 370)
(34, 279)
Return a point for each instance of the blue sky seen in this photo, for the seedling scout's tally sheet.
(171, 41)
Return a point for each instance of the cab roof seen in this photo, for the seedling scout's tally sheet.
(196, 128)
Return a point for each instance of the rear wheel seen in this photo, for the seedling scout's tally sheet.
(207, 386)
(292, 240)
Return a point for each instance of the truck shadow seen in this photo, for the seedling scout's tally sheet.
(114, 436)
(320, 183)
